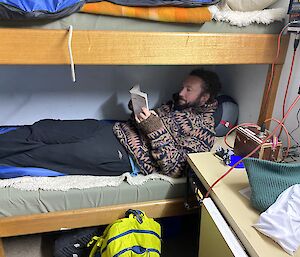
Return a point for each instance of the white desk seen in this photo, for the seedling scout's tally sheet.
(234, 207)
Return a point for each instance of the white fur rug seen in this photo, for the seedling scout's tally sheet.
(65, 183)
(242, 19)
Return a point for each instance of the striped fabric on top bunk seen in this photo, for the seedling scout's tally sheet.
(162, 14)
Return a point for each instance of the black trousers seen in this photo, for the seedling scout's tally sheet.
(74, 147)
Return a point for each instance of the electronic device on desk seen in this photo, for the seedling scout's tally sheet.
(294, 15)
(248, 138)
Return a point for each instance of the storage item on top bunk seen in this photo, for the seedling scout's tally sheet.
(50, 9)
(84, 21)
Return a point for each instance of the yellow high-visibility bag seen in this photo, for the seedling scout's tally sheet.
(133, 236)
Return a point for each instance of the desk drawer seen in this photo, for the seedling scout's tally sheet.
(216, 237)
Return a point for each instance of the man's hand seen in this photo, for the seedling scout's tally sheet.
(144, 115)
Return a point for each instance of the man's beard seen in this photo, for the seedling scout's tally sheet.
(179, 106)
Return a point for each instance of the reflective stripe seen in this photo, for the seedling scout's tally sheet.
(132, 249)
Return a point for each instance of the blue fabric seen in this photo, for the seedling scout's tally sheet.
(14, 172)
(5, 130)
(39, 5)
(134, 167)
(234, 159)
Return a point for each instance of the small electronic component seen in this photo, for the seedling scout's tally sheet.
(224, 154)
(248, 138)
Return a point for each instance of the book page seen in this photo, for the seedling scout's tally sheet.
(139, 99)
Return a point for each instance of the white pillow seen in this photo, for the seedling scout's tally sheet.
(249, 5)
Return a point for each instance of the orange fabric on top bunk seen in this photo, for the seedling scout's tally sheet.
(164, 14)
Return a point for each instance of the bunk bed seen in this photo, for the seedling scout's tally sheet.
(39, 46)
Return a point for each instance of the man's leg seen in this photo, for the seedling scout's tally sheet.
(101, 154)
(17, 141)
(50, 131)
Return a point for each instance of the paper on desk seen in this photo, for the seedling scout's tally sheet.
(246, 192)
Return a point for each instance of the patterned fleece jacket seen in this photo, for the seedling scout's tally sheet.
(161, 143)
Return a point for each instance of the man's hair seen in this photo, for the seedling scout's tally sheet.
(212, 84)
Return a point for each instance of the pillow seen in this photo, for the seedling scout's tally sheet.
(269, 179)
(226, 115)
(249, 5)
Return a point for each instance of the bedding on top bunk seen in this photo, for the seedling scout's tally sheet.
(157, 10)
(53, 9)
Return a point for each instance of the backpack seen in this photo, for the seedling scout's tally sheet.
(136, 235)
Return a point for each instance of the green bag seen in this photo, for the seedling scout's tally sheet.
(269, 179)
(135, 235)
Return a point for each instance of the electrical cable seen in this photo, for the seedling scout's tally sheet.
(266, 97)
(257, 148)
(288, 84)
(298, 121)
(287, 135)
(296, 43)
(70, 29)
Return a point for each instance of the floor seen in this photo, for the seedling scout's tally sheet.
(180, 237)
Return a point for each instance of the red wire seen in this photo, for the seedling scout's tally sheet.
(287, 87)
(273, 64)
(254, 150)
(287, 135)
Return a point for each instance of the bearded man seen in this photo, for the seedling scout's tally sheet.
(152, 141)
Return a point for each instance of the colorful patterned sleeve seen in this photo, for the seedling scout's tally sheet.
(171, 154)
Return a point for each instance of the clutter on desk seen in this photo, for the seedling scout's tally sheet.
(281, 221)
(269, 179)
(248, 138)
(228, 157)
(224, 154)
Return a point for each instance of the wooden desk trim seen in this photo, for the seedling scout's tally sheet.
(255, 243)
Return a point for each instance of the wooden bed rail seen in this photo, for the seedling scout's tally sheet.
(55, 221)
(37, 46)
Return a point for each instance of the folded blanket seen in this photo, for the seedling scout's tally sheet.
(163, 14)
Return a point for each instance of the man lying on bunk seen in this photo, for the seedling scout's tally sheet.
(153, 141)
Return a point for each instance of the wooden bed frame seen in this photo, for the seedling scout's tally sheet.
(34, 46)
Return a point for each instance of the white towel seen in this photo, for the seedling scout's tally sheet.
(281, 221)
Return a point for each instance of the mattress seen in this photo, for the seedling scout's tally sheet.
(14, 202)
(82, 21)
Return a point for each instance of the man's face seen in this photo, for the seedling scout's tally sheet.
(192, 93)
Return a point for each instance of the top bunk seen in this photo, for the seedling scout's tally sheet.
(107, 40)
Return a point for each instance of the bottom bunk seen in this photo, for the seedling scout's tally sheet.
(31, 212)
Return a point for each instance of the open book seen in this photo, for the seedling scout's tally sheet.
(139, 99)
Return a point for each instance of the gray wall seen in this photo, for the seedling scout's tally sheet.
(30, 93)
(291, 122)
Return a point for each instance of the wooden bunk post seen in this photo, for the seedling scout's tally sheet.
(267, 105)
(2, 254)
